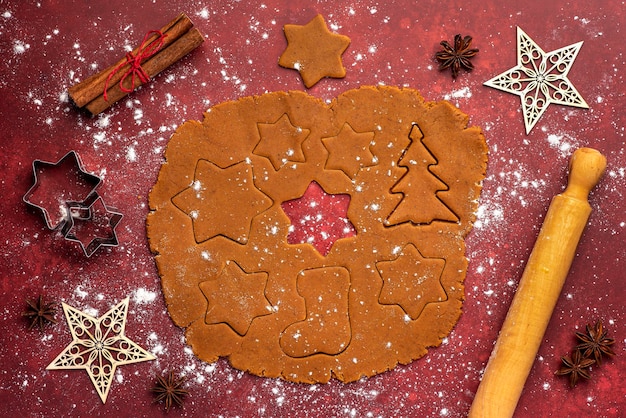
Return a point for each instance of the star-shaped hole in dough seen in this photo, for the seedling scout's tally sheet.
(314, 51)
(222, 201)
(318, 218)
(281, 142)
(411, 281)
(57, 185)
(99, 346)
(93, 226)
(349, 151)
(236, 298)
(540, 78)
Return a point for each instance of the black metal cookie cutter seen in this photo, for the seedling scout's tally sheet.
(66, 196)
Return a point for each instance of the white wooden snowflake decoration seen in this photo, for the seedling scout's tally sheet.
(540, 79)
(99, 346)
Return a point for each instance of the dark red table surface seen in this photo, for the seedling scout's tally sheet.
(47, 46)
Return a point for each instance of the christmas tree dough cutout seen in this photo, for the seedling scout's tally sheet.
(419, 187)
(406, 175)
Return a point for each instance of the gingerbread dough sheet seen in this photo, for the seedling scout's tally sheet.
(378, 296)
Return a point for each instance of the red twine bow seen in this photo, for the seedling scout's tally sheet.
(135, 69)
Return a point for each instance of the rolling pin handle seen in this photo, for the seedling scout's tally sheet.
(585, 170)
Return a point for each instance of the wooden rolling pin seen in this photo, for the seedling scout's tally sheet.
(538, 290)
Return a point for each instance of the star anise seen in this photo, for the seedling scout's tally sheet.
(169, 390)
(575, 366)
(595, 342)
(456, 56)
(40, 313)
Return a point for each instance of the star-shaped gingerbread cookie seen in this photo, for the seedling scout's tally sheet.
(314, 51)
(226, 303)
(217, 211)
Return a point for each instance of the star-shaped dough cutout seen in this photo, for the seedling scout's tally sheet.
(540, 78)
(314, 51)
(99, 346)
(411, 281)
(235, 298)
(222, 201)
(349, 151)
(93, 226)
(57, 185)
(281, 142)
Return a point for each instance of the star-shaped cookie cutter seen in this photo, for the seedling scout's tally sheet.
(92, 225)
(55, 212)
(66, 196)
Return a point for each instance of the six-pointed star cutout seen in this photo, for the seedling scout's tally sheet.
(540, 78)
(93, 226)
(318, 218)
(99, 346)
(314, 51)
(349, 151)
(57, 185)
(235, 298)
(222, 201)
(281, 142)
(411, 281)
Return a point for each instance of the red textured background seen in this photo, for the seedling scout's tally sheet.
(46, 46)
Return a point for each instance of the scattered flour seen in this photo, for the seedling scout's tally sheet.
(20, 47)
(142, 296)
(131, 154)
(463, 93)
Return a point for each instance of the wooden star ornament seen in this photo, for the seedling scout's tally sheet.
(314, 51)
(540, 78)
(99, 346)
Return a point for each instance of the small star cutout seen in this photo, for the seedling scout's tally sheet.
(349, 151)
(411, 281)
(57, 185)
(318, 218)
(93, 226)
(281, 142)
(236, 297)
(314, 51)
(540, 79)
(222, 201)
(99, 346)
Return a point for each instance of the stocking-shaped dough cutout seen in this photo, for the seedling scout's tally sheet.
(326, 328)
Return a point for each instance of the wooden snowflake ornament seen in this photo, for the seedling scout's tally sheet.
(540, 78)
(99, 346)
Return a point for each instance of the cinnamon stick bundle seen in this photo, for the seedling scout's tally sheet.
(174, 40)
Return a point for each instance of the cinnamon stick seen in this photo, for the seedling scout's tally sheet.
(180, 39)
(152, 67)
